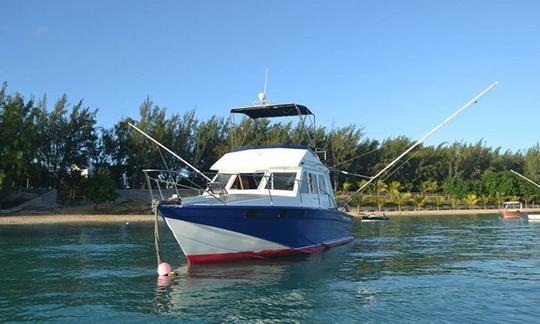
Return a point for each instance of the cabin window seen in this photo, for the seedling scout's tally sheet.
(321, 183)
(247, 181)
(304, 185)
(312, 180)
(223, 178)
(281, 181)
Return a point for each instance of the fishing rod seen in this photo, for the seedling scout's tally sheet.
(355, 174)
(424, 138)
(524, 177)
(168, 150)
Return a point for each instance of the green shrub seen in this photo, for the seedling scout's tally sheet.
(100, 189)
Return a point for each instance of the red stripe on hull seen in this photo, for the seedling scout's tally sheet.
(237, 256)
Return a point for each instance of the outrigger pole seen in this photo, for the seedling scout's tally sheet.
(423, 139)
(524, 177)
(168, 150)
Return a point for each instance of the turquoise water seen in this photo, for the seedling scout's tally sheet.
(409, 269)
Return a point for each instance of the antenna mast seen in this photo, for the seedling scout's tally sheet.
(262, 95)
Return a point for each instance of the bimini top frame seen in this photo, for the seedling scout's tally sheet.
(270, 111)
(267, 110)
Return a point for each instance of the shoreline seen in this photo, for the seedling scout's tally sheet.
(73, 219)
(33, 219)
(445, 212)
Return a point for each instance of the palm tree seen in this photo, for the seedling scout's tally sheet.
(438, 200)
(499, 198)
(454, 201)
(361, 183)
(419, 201)
(430, 186)
(380, 201)
(361, 200)
(485, 200)
(528, 198)
(347, 186)
(395, 186)
(381, 187)
(399, 198)
(471, 200)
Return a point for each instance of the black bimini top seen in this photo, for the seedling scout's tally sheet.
(279, 110)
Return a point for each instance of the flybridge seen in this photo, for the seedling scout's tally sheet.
(266, 110)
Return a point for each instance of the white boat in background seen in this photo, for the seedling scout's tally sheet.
(533, 217)
(512, 209)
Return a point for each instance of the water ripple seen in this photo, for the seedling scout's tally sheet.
(409, 269)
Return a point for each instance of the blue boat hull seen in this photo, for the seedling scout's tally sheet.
(209, 233)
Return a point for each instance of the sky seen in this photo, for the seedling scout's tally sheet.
(390, 67)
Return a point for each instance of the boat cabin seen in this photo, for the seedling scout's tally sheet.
(284, 175)
(512, 205)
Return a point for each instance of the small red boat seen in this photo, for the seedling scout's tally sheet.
(512, 209)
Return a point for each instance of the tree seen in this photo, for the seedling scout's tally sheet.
(438, 200)
(381, 187)
(380, 201)
(100, 189)
(532, 163)
(484, 199)
(398, 197)
(498, 197)
(504, 183)
(17, 139)
(471, 200)
(419, 201)
(347, 186)
(341, 147)
(210, 142)
(454, 201)
(66, 141)
(430, 186)
(361, 200)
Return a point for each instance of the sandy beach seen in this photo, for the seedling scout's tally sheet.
(61, 218)
(70, 218)
(449, 212)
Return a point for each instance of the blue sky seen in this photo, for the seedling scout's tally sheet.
(391, 67)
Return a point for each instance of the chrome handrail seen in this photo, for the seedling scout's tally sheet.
(170, 182)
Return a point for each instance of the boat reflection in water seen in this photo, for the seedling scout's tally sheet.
(198, 287)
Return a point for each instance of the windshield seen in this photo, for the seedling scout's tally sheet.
(222, 178)
(247, 181)
(281, 181)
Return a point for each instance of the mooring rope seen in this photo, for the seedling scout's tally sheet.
(156, 235)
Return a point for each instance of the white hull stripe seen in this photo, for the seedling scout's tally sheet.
(197, 239)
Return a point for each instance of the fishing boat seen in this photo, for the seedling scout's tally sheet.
(263, 201)
(512, 209)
